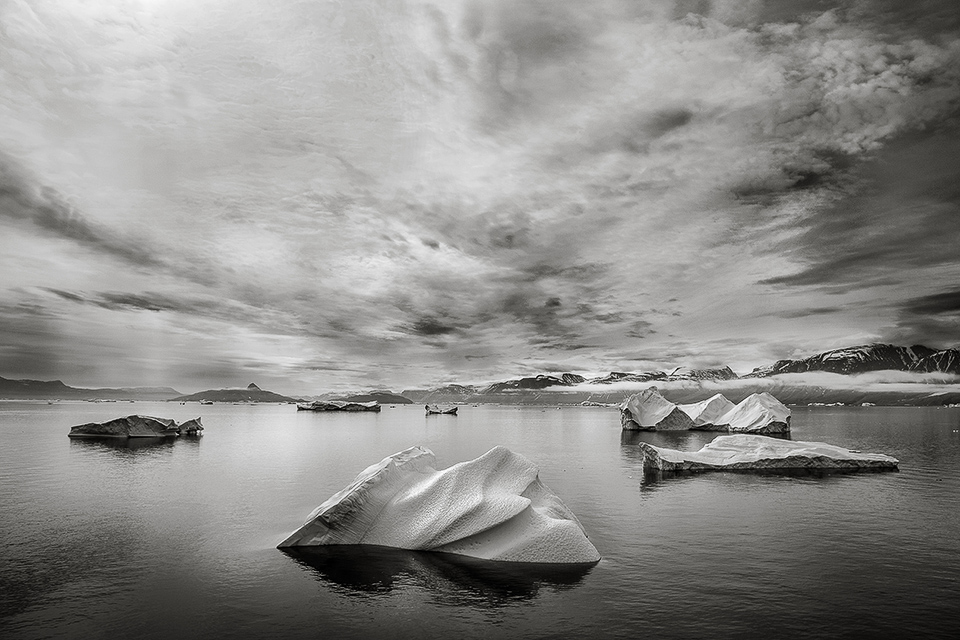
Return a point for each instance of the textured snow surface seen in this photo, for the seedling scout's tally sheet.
(707, 412)
(650, 411)
(746, 451)
(757, 413)
(493, 507)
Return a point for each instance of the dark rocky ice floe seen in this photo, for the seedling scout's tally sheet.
(434, 409)
(136, 426)
(338, 405)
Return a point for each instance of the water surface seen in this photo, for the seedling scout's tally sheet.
(106, 539)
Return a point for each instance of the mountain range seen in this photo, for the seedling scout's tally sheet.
(847, 361)
(866, 358)
(56, 389)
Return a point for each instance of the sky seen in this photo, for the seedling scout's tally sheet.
(319, 196)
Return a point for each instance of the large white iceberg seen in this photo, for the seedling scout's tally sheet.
(759, 413)
(650, 411)
(706, 413)
(493, 507)
(743, 452)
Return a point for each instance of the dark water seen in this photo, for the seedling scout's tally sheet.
(176, 539)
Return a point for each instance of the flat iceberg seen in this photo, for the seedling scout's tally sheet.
(757, 413)
(650, 411)
(493, 507)
(743, 452)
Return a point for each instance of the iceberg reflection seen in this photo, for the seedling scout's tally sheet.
(455, 580)
(133, 444)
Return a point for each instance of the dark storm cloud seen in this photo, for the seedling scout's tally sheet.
(903, 218)
(804, 313)
(190, 306)
(920, 18)
(128, 301)
(627, 132)
(805, 170)
(939, 332)
(30, 344)
(933, 320)
(21, 200)
(429, 326)
(640, 329)
(937, 303)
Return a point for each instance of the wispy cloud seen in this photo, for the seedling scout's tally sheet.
(25, 201)
(451, 190)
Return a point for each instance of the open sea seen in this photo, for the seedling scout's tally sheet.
(102, 539)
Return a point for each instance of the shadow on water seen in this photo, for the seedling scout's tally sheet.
(455, 580)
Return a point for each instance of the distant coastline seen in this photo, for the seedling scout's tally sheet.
(876, 374)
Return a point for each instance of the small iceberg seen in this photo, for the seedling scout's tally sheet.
(493, 508)
(338, 405)
(650, 411)
(748, 452)
(758, 413)
(136, 426)
(706, 414)
(433, 409)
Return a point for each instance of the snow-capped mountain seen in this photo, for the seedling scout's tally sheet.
(859, 359)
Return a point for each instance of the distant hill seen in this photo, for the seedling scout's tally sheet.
(252, 393)
(56, 389)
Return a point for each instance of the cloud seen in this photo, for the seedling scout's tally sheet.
(899, 223)
(456, 188)
(937, 303)
(24, 201)
(933, 319)
(803, 313)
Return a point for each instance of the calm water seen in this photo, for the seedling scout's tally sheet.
(177, 540)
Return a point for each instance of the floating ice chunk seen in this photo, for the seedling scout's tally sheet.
(134, 426)
(757, 413)
(706, 413)
(338, 405)
(650, 411)
(493, 507)
(754, 452)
